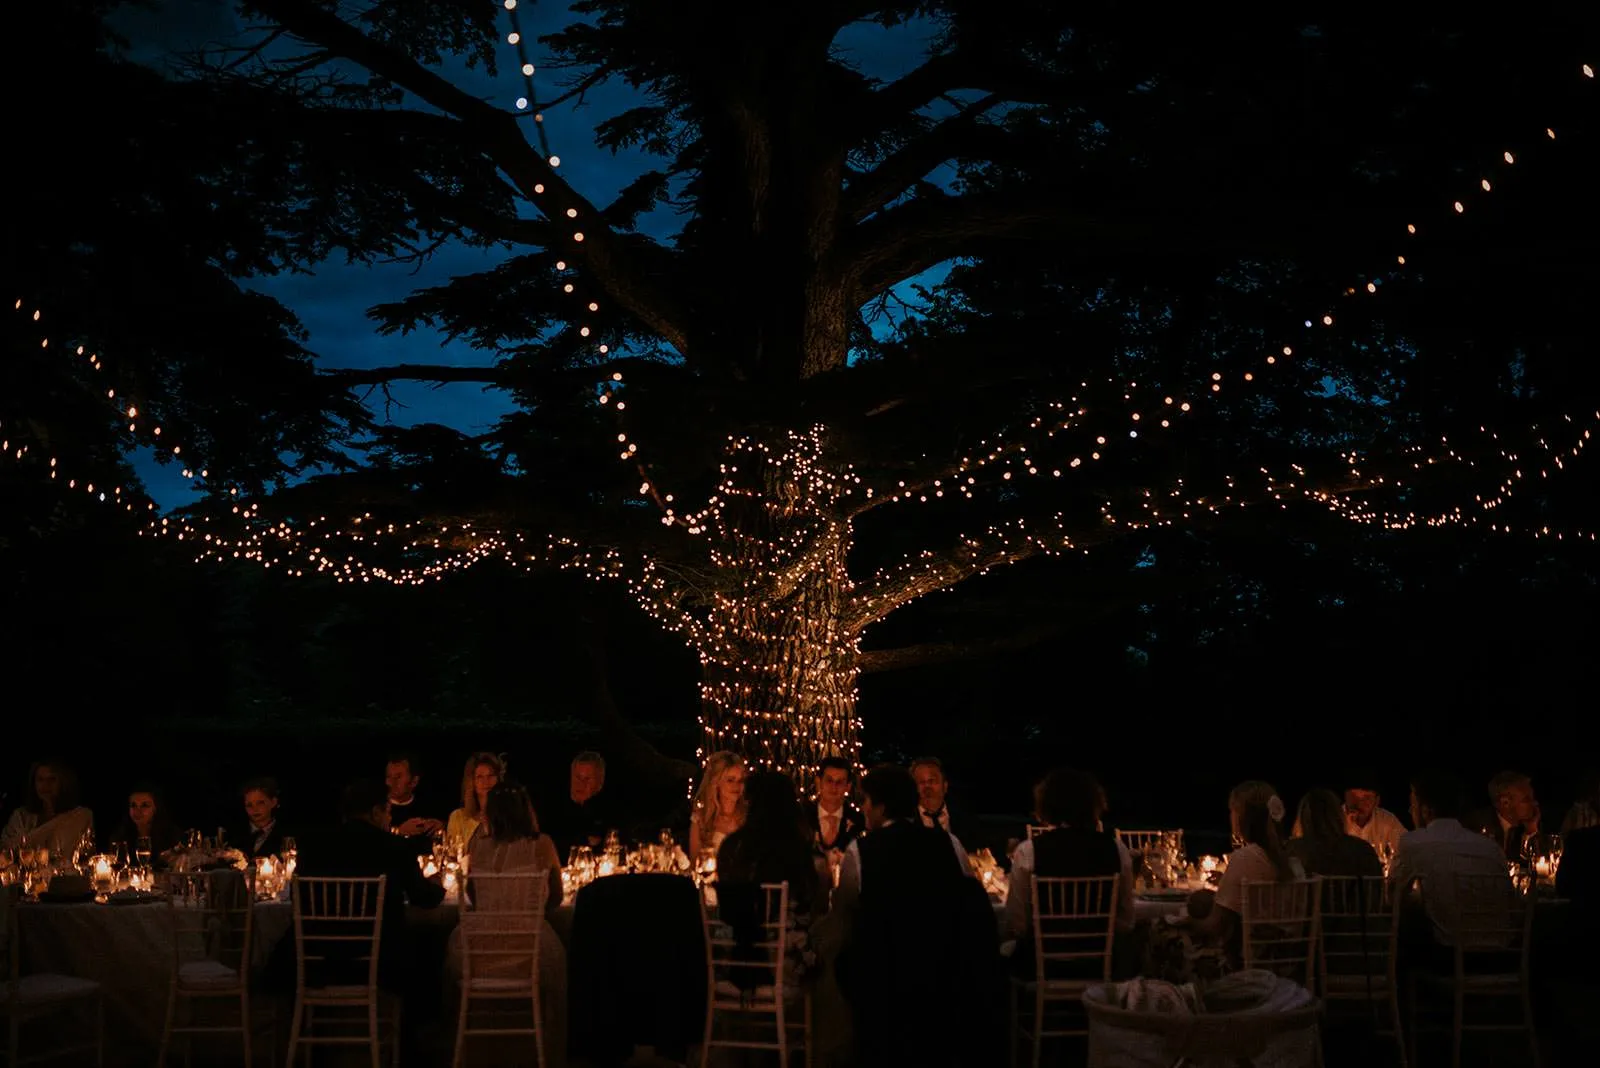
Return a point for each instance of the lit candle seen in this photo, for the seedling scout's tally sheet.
(607, 867)
(102, 868)
(1542, 868)
(449, 882)
(1208, 864)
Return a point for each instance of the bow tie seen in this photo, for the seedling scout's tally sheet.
(934, 816)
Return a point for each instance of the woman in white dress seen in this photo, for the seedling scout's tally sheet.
(512, 844)
(718, 803)
(51, 818)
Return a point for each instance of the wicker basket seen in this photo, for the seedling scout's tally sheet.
(1279, 1030)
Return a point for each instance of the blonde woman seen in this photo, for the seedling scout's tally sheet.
(482, 774)
(718, 803)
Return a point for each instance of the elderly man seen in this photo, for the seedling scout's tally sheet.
(584, 814)
(1514, 817)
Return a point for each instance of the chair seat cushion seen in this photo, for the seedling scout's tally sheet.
(500, 986)
(46, 987)
(207, 975)
(728, 995)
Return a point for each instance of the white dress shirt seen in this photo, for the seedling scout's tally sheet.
(849, 886)
(1019, 898)
(823, 818)
(1383, 829)
(1436, 854)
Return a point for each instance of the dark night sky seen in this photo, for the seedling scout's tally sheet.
(332, 301)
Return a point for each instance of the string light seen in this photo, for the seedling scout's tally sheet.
(779, 677)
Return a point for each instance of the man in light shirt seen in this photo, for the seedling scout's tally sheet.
(1440, 849)
(1367, 819)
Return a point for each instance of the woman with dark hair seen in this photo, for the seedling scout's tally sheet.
(51, 817)
(512, 842)
(1324, 846)
(1256, 813)
(147, 819)
(772, 845)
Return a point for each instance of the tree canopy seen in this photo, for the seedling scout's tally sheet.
(1054, 282)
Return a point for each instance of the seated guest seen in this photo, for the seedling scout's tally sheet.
(718, 803)
(50, 817)
(1585, 811)
(401, 776)
(918, 932)
(1435, 853)
(834, 823)
(264, 835)
(512, 845)
(363, 848)
(482, 773)
(890, 812)
(512, 841)
(1323, 846)
(769, 847)
(1578, 880)
(1069, 803)
(1367, 819)
(584, 814)
(147, 827)
(1255, 812)
(934, 807)
(1514, 815)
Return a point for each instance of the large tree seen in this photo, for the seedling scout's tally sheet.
(726, 417)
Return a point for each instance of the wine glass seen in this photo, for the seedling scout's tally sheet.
(142, 849)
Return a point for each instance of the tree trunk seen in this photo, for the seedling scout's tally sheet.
(778, 663)
(780, 687)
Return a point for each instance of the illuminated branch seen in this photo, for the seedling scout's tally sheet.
(929, 571)
(617, 264)
(935, 479)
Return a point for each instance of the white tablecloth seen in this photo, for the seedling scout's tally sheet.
(1154, 908)
(125, 948)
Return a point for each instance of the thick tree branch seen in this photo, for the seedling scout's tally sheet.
(901, 169)
(613, 263)
(914, 90)
(910, 238)
(502, 375)
(933, 477)
(929, 571)
(927, 653)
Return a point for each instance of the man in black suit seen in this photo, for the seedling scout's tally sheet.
(833, 821)
(406, 814)
(934, 807)
(1514, 816)
(918, 932)
(363, 848)
(584, 814)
